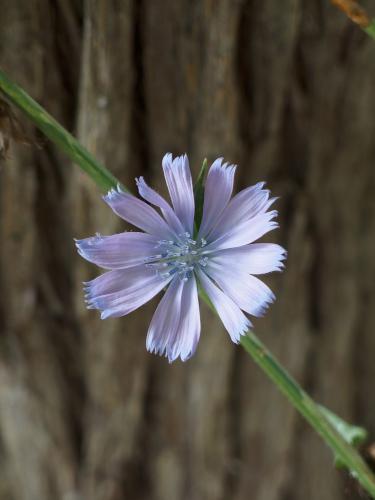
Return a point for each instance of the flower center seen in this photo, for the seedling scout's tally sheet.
(181, 257)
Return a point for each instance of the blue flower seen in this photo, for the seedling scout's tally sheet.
(221, 255)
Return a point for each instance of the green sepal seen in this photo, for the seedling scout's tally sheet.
(199, 194)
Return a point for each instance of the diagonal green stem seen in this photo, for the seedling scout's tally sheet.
(370, 29)
(344, 452)
(253, 346)
(58, 134)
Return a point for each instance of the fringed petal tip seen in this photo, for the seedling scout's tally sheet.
(78, 246)
(94, 302)
(263, 308)
(242, 330)
(89, 298)
(225, 167)
(272, 226)
(78, 242)
(283, 257)
(167, 160)
(178, 162)
(279, 268)
(113, 193)
(168, 157)
(85, 243)
(141, 184)
(169, 354)
(279, 260)
(81, 248)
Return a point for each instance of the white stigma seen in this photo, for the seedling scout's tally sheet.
(180, 257)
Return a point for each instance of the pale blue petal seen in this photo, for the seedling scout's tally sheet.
(118, 251)
(154, 198)
(256, 258)
(248, 292)
(117, 293)
(217, 192)
(164, 324)
(138, 213)
(230, 314)
(242, 208)
(246, 232)
(180, 186)
(175, 327)
(186, 339)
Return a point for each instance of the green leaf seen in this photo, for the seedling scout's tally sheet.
(199, 194)
(352, 434)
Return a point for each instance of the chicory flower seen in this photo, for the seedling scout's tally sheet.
(171, 253)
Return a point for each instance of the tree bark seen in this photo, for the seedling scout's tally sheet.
(283, 89)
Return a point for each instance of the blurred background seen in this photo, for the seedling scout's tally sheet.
(286, 91)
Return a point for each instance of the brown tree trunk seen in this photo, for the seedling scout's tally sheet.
(284, 89)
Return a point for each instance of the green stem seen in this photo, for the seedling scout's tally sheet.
(287, 385)
(370, 29)
(54, 131)
(317, 416)
(343, 451)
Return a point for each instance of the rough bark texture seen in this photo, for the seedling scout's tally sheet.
(284, 89)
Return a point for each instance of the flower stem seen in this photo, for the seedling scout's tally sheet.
(58, 134)
(370, 29)
(287, 385)
(311, 411)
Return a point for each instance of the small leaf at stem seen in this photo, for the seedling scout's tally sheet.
(352, 434)
(199, 194)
